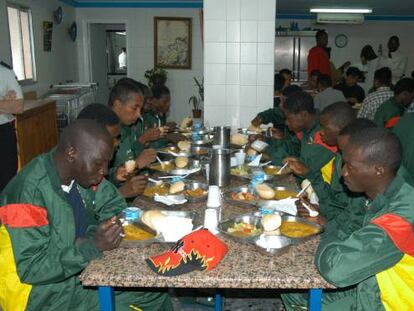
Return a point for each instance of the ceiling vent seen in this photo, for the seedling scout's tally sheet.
(339, 18)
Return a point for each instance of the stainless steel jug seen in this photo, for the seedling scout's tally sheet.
(222, 136)
(219, 174)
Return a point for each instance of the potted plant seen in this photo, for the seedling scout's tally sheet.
(195, 102)
(156, 76)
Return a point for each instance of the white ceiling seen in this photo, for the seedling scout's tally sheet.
(380, 7)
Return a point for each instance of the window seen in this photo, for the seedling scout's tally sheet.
(21, 42)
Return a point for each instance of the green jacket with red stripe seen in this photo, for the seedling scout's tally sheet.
(388, 113)
(39, 260)
(405, 133)
(378, 256)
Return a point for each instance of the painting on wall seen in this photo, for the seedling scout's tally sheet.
(172, 42)
(47, 36)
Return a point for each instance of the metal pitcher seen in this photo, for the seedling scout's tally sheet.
(222, 136)
(219, 170)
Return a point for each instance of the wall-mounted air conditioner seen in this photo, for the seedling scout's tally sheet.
(339, 18)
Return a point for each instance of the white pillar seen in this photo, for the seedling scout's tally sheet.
(239, 38)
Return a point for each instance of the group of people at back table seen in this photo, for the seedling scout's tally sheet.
(60, 211)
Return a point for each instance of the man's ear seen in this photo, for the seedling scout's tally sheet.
(71, 154)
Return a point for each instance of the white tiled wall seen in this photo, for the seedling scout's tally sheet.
(238, 60)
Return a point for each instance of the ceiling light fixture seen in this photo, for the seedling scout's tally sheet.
(322, 10)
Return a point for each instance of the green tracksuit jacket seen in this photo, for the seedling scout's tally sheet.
(39, 260)
(139, 129)
(405, 132)
(374, 263)
(152, 120)
(389, 113)
(279, 149)
(273, 115)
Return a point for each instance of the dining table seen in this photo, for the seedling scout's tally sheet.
(243, 267)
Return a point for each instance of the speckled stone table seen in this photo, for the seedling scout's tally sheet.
(242, 267)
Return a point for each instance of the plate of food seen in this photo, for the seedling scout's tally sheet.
(241, 196)
(273, 170)
(242, 228)
(269, 192)
(245, 171)
(299, 229)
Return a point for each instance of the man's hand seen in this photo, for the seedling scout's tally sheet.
(152, 134)
(175, 137)
(108, 235)
(276, 133)
(303, 212)
(121, 174)
(172, 126)
(133, 187)
(146, 157)
(296, 166)
(257, 121)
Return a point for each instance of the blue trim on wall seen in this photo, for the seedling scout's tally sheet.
(367, 17)
(134, 4)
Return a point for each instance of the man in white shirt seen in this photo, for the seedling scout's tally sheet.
(122, 59)
(327, 95)
(395, 60)
(11, 102)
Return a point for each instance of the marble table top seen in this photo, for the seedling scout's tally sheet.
(242, 267)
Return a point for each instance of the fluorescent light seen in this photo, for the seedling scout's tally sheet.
(322, 10)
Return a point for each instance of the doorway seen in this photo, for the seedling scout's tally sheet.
(108, 56)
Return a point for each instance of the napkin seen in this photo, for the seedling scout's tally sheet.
(256, 161)
(200, 250)
(287, 206)
(170, 199)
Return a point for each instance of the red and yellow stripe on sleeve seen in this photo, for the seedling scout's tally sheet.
(14, 294)
(397, 283)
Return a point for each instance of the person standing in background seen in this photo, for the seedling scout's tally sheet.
(395, 60)
(122, 59)
(11, 102)
(369, 64)
(318, 58)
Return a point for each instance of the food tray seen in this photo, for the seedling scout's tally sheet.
(167, 150)
(281, 243)
(244, 189)
(247, 173)
(158, 238)
(189, 184)
(273, 169)
(171, 169)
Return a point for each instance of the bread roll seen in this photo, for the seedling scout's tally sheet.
(251, 152)
(239, 139)
(186, 123)
(253, 128)
(153, 219)
(271, 222)
(130, 166)
(181, 162)
(184, 145)
(265, 191)
(177, 187)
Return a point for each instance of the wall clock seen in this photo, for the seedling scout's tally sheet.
(341, 40)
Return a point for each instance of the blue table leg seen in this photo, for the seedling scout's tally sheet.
(106, 298)
(218, 302)
(315, 299)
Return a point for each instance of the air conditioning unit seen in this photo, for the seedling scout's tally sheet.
(339, 18)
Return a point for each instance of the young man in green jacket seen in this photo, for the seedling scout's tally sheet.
(126, 100)
(405, 133)
(373, 265)
(390, 111)
(56, 216)
(303, 119)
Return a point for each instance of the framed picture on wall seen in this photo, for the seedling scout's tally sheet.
(172, 42)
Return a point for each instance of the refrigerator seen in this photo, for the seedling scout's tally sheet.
(291, 52)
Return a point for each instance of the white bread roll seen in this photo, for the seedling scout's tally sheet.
(153, 219)
(265, 191)
(177, 187)
(184, 145)
(238, 139)
(271, 222)
(130, 166)
(181, 162)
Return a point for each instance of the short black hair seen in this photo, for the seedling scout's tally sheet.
(279, 82)
(405, 84)
(368, 53)
(394, 37)
(320, 33)
(146, 91)
(291, 89)
(325, 80)
(357, 126)
(299, 101)
(341, 113)
(354, 72)
(383, 76)
(123, 90)
(379, 146)
(285, 71)
(124, 49)
(159, 90)
(99, 112)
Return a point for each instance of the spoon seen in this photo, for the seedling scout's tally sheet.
(157, 182)
(173, 153)
(282, 168)
(303, 190)
(312, 213)
(266, 163)
(162, 163)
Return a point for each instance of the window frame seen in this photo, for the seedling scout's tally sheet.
(27, 10)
